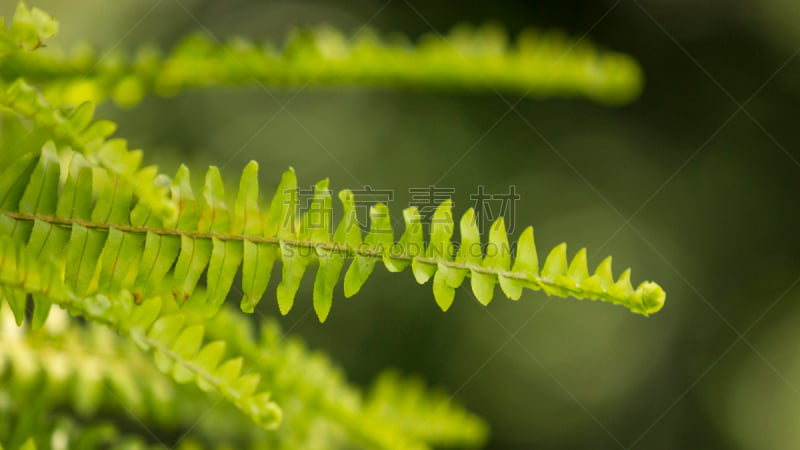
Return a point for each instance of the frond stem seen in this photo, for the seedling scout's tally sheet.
(344, 250)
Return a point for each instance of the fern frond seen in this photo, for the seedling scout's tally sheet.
(36, 430)
(426, 415)
(306, 378)
(63, 432)
(101, 247)
(94, 372)
(179, 349)
(77, 364)
(87, 370)
(113, 243)
(481, 59)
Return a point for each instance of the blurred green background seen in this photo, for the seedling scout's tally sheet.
(683, 185)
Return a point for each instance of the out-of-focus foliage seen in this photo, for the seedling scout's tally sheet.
(538, 64)
(104, 378)
(28, 31)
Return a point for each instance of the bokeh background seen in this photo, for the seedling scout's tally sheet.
(694, 185)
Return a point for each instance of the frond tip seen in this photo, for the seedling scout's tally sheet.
(134, 249)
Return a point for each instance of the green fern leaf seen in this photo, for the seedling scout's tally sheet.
(107, 246)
